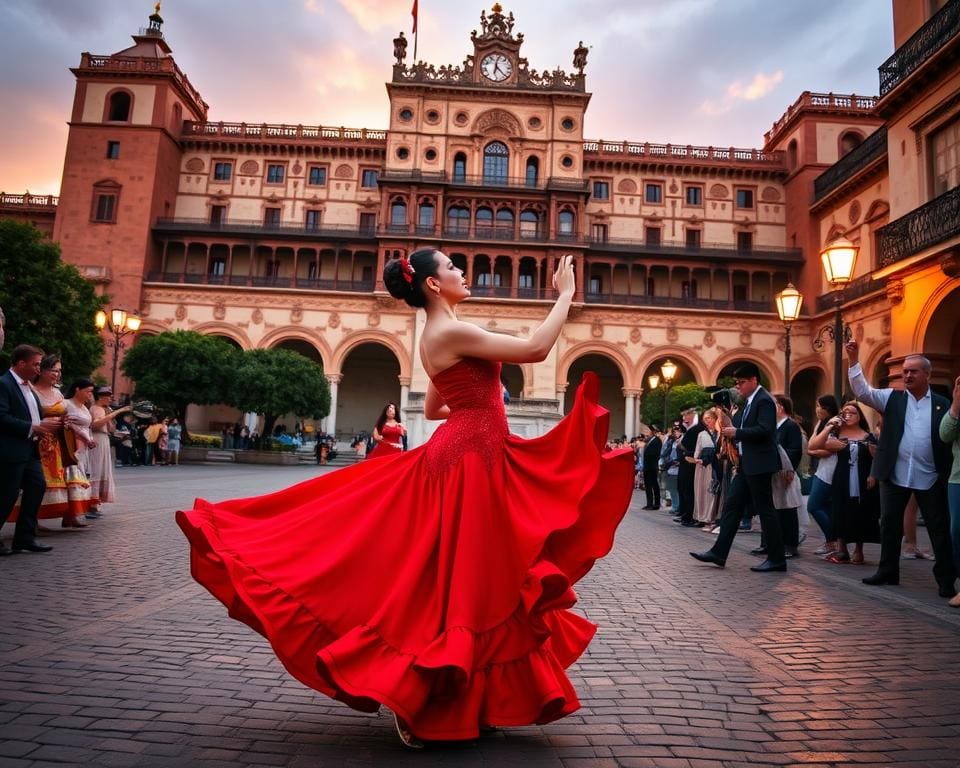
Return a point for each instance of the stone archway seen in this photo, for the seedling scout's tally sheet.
(941, 342)
(512, 376)
(611, 387)
(369, 379)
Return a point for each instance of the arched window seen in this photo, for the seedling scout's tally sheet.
(496, 158)
(566, 222)
(484, 221)
(426, 218)
(398, 214)
(460, 167)
(120, 107)
(529, 224)
(505, 224)
(849, 141)
(458, 220)
(792, 152)
(533, 171)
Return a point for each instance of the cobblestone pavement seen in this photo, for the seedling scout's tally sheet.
(110, 655)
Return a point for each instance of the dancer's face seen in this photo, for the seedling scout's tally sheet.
(449, 280)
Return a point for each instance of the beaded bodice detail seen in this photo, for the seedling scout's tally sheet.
(477, 422)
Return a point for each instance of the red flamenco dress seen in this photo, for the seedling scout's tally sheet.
(437, 581)
(392, 442)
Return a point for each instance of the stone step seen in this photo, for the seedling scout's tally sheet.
(215, 454)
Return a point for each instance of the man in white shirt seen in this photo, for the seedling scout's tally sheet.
(911, 460)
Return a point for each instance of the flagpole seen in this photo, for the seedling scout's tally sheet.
(416, 31)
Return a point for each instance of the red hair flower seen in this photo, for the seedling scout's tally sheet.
(407, 268)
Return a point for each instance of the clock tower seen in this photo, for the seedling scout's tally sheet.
(496, 51)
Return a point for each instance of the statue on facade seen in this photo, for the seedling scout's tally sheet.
(580, 57)
(400, 48)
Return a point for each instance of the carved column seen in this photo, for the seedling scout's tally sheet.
(404, 393)
(296, 267)
(515, 276)
(629, 411)
(378, 275)
(581, 270)
(561, 392)
(469, 275)
(229, 270)
(330, 423)
(163, 258)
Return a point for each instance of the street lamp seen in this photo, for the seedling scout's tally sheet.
(120, 323)
(667, 371)
(839, 259)
(789, 301)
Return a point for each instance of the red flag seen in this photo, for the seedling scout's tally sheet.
(413, 12)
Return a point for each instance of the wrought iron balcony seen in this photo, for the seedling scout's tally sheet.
(260, 228)
(487, 182)
(711, 251)
(873, 147)
(260, 281)
(680, 302)
(857, 289)
(920, 229)
(922, 45)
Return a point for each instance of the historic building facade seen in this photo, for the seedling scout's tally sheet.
(276, 235)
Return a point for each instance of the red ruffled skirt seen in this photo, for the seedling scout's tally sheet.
(438, 588)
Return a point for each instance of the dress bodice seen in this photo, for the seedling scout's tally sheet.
(477, 422)
(392, 433)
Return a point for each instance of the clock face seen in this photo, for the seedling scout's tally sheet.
(496, 67)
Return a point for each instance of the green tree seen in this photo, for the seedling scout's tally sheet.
(681, 397)
(47, 303)
(278, 381)
(182, 367)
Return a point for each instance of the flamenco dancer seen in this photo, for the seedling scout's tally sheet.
(388, 432)
(449, 603)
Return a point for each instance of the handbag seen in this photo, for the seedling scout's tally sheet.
(708, 455)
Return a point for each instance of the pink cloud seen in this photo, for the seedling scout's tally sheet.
(756, 89)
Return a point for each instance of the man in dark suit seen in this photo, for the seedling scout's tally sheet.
(911, 460)
(754, 429)
(651, 467)
(20, 427)
(688, 444)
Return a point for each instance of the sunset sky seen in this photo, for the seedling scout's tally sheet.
(709, 72)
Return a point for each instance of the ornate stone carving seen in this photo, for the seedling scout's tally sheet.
(250, 168)
(781, 344)
(256, 317)
(219, 310)
(636, 335)
(580, 57)
(344, 171)
(719, 191)
(497, 119)
(855, 211)
(885, 325)
(770, 195)
(334, 320)
(673, 335)
(145, 309)
(746, 337)
(400, 49)
(181, 312)
(895, 291)
(709, 339)
(296, 313)
(373, 319)
(596, 329)
(950, 264)
(673, 187)
(297, 168)
(627, 186)
(195, 165)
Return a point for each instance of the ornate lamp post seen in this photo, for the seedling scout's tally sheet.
(120, 323)
(667, 371)
(789, 301)
(839, 259)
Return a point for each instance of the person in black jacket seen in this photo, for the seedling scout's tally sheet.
(688, 444)
(651, 466)
(21, 424)
(755, 430)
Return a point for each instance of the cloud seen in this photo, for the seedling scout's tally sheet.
(374, 15)
(736, 92)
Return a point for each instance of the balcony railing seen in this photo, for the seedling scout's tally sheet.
(27, 200)
(260, 281)
(679, 302)
(257, 227)
(137, 64)
(681, 152)
(416, 176)
(767, 253)
(279, 131)
(837, 103)
(874, 146)
(857, 289)
(920, 229)
(922, 45)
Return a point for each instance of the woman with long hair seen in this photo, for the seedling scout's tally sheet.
(855, 501)
(78, 441)
(822, 464)
(438, 583)
(388, 433)
(705, 506)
